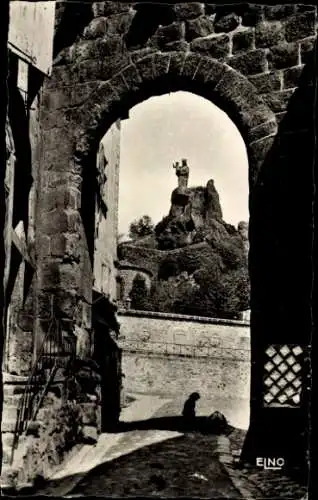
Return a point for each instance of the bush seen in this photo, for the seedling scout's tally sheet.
(189, 261)
(168, 267)
(141, 227)
(139, 293)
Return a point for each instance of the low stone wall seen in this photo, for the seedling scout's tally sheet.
(174, 355)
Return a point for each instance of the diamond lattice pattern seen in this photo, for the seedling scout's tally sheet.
(283, 375)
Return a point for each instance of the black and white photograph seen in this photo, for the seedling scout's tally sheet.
(157, 196)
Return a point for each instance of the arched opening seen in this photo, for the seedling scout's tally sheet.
(161, 129)
(158, 74)
(210, 271)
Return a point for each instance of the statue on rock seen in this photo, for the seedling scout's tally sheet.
(182, 172)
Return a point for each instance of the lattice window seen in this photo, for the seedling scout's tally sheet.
(283, 375)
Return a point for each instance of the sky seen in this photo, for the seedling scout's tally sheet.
(165, 129)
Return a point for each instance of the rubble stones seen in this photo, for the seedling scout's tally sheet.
(283, 56)
(300, 26)
(216, 46)
(96, 28)
(278, 12)
(243, 40)
(119, 24)
(108, 8)
(227, 23)
(249, 63)
(291, 77)
(188, 10)
(269, 33)
(307, 50)
(267, 82)
(253, 14)
(165, 34)
(179, 45)
(200, 27)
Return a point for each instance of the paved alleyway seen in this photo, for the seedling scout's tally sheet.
(147, 459)
(174, 467)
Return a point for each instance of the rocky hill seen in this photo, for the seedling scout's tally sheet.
(199, 262)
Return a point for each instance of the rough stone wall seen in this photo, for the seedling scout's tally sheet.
(128, 276)
(142, 257)
(105, 241)
(20, 266)
(255, 62)
(21, 187)
(174, 355)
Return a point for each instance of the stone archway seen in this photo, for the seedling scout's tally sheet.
(72, 146)
(72, 134)
(96, 80)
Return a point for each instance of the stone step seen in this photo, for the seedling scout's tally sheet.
(13, 389)
(9, 412)
(8, 425)
(12, 399)
(9, 378)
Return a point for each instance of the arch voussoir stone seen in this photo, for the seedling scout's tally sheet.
(131, 77)
(177, 61)
(209, 70)
(211, 78)
(161, 63)
(263, 130)
(238, 93)
(145, 67)
(191, 64)
(257, 152)
(102, 102)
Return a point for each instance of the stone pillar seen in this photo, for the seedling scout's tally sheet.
(64, 264)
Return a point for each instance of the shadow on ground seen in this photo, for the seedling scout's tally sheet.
(172, 423)
(181, 466)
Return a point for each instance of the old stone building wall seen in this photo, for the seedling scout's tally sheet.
(126, 276)
(21, 184)
(106, 223)
(256, 63)
(173, 355)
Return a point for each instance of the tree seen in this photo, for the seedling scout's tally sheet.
(140, 228)
(139, 293)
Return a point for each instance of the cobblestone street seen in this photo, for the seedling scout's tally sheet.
(153, 462)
